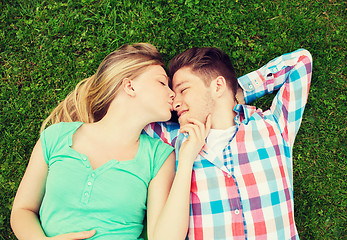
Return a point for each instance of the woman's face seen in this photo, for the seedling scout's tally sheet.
(154, 93)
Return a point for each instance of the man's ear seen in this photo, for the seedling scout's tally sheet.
(127, 85)
(218, 86)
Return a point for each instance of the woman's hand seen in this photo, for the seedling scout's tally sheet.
(197, 134)
(164, 213)
(74, 236)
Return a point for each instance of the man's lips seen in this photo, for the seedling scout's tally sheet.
(179, 114)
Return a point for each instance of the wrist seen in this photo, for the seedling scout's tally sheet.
(184, 164)
(240, 98)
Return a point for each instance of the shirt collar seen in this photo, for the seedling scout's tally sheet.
(243, 113)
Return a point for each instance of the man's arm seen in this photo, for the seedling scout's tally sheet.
(166, 131)
(271, 76)
(291, 75)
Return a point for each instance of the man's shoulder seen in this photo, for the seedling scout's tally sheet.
(164, 126)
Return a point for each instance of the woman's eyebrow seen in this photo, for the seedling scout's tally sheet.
(165, 76)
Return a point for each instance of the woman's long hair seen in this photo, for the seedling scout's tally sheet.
(92, 96)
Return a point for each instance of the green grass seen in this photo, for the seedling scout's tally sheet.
(48, 46)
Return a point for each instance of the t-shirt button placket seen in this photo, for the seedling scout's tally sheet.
(85, 162)
(88, 188)
(90, 180)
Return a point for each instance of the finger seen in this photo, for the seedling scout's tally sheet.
(204, 128)
(185, 127)
(194, 134)
(201, 126)
(195, 121)
(192, 130)
(81, 235)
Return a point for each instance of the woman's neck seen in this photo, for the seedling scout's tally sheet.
(118, 129)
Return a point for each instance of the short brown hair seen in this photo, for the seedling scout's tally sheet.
(208, 63)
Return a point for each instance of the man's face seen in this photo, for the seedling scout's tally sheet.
(193, 98)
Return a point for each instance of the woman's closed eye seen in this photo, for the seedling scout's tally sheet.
(183, 89)
(163, 83)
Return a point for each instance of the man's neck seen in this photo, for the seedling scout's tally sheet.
(224, 116)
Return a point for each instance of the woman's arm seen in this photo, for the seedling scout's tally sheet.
(25, 210)
(24, 216)
(169, 219)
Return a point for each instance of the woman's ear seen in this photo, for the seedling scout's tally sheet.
(128, 87)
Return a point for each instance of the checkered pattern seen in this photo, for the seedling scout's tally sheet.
(249, 193)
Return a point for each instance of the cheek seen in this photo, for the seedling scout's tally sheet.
(204, 106)
(190, 99)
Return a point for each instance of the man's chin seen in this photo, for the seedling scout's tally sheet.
(182, 121)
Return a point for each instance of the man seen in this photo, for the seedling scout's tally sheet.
(242, 186)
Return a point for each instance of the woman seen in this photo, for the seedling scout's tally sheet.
(92, 174)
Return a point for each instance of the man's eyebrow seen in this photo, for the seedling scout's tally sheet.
(180, 84)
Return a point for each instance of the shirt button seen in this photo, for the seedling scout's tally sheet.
(250, 86)
(93, 174)
(87, 166)
(89, 183)
(84, 158)
(86, 194)
(237, 211)
(229, 175)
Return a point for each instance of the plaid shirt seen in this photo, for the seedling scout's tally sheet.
(249, 193)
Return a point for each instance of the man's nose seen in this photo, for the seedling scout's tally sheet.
(176, 103)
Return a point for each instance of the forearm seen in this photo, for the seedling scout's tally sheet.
(271, 76)
(166, 131)
(26, 225)
(174, 219)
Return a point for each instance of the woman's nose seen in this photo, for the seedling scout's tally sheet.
(172, 94)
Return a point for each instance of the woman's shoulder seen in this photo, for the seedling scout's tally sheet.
(156, 147)
(61, 129)
(153, 142)
(145, 137)
(63, 126)
(157, 152)
(56, 137)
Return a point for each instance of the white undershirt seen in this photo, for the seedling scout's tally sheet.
(218, 139)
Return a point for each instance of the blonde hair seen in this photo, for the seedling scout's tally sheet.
(92, 96)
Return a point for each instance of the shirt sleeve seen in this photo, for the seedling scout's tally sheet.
(291, 75)
(48, 139)
(166, 131)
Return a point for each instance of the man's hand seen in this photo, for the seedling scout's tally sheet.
(240, 97)
(74, 236)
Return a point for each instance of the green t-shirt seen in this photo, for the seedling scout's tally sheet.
(110, 199)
